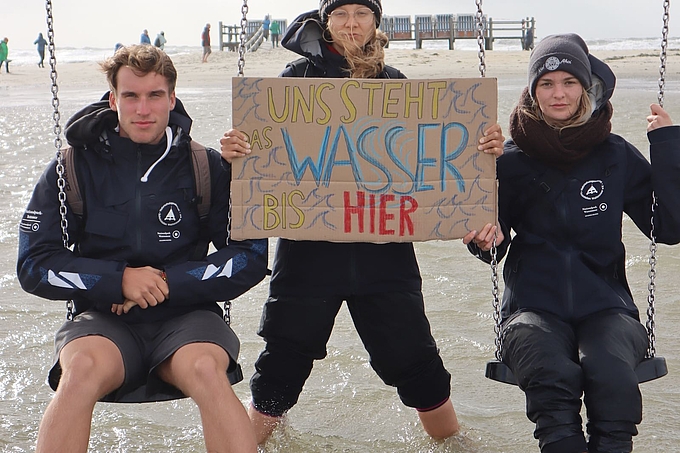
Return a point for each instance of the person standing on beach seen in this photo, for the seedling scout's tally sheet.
(205, 42)
(265, 27)
(144, 38)
(145, 324)
(275, 30)
(41, 43)
(381, 283)
(160, 40)
(4, 54)
(570, 326)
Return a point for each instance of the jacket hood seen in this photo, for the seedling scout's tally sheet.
(603, 81)
(304, 36)
(87, 125)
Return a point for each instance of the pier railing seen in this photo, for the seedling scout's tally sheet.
(229, 35)
(461, 26)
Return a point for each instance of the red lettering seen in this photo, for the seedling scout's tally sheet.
(384, 216)
(405, 220)
(380, 209)
(358, 210)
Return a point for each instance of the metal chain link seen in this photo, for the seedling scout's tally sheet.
(651, 348)
(242, 39)
(664, 48)
(480, 39)
(496, 301)
(651, 287)
(227, 312)
(56, 116)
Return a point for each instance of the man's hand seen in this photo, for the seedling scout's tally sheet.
(233, 145)
(142, 286)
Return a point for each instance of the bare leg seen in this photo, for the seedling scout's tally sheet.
(92, 367)
(441, 422)
(200, 371)
(264, 425)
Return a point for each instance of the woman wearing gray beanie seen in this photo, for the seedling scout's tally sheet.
(381, 283)
(570, 326)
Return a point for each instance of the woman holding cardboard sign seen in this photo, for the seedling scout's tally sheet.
(570, 325)
(380, 282)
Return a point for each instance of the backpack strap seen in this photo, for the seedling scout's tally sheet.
(73, 196)
(202, 182)
(200, 166)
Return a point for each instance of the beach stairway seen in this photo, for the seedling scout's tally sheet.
(230, 35)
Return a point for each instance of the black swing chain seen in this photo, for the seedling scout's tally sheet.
(498, 341)
(651, 287)
(56, 116)
(242, 38)
(480, 39)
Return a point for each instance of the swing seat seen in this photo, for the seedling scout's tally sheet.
(649, 369)
(500, 372)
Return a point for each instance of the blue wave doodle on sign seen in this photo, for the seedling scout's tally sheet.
(244, 93)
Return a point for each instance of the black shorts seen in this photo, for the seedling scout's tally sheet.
(144, 347)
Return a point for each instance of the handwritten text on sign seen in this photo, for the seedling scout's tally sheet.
(363, 159)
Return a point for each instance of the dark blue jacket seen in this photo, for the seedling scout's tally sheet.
(567, 256)
(127, 222)
(318, 268)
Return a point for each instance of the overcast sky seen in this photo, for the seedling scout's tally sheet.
(96, 23)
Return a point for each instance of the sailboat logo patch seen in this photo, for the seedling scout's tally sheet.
(592, 190)
(169, 214)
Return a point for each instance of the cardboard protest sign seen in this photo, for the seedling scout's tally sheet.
(363, 160)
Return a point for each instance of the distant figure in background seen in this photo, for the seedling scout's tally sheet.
(144, 39)
(265, 27)
(529, 39)
(275, 30)
(4, 53)
(160, 40)
(117, 46)
(41, 42)
(205, 42)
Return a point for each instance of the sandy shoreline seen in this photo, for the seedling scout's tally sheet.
(629, 64)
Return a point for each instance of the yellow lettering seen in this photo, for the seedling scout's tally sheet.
(270, 203)
(298, 211)
(322, 104)
(268, 142)
(436, 87)
(388, 100)
(371, 87)
(416, 99)
(349, 105)
(272, 109)
(299, 103)
(255, 140)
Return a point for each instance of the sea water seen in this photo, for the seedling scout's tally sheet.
(344, 406)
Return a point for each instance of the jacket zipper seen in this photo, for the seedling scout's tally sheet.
(138, 202)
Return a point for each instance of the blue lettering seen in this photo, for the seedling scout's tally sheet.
(351, 152)
(373, 161)
(446, 166)
(298, 168)
(422, 161)
(390, 144)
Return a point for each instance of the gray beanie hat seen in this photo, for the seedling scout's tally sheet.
(566, 52)
(327, 6)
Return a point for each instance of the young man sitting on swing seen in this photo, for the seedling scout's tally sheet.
(145, 323)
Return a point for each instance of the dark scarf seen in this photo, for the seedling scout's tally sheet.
(557, 148)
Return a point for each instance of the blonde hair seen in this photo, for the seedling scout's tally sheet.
(583, 113)
(367, 61)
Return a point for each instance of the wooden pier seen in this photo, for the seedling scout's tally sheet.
(230, 35)
(461, 26)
